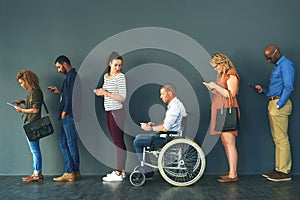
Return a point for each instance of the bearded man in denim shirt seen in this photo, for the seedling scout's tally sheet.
(68, 135)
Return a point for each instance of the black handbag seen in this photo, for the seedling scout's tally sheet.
(227, 118)
(39, 128)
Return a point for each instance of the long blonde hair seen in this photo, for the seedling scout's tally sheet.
(219, 58)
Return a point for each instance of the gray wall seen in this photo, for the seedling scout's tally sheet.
(33, 33)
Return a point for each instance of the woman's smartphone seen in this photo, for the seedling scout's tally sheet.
(92, 88)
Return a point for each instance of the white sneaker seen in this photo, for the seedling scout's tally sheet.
(112, 177)
(114, 173)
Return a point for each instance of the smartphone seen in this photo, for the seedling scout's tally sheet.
(253, 87)
(10, 104)
(51, 88)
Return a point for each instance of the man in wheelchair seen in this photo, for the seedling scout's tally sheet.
(171, 124)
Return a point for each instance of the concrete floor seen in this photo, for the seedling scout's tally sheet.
(91, 187)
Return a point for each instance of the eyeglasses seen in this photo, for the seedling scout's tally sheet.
(270, 57)
(214, 66)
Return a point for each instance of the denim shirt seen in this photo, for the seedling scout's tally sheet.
(174, 114)
(281, 81)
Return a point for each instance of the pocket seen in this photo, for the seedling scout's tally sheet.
(286, 109)
(67, 117)
(64, 119)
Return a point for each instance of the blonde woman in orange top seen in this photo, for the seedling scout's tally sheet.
(227, 83)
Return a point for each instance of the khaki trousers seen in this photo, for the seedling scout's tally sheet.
(279, 129)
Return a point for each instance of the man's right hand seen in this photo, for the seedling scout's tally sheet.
(258, 89)
(54, 89)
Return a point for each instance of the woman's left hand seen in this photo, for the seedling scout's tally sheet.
(99, 92)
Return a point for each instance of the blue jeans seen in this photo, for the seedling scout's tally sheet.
(143, 140)
(36, 155)
(68, 145)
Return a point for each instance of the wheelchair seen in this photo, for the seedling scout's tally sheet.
(181, 162)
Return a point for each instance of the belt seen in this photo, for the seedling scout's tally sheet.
(273, 98)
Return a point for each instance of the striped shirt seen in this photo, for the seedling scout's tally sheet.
(114, 85)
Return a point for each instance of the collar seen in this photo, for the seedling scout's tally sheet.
(71, 71)
(280, 60)
(172, 101)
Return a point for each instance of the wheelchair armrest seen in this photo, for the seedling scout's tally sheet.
(168, 132)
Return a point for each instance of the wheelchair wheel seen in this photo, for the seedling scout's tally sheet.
(137, 178)
(181, 162)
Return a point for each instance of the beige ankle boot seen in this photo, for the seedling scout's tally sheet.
(69, 177)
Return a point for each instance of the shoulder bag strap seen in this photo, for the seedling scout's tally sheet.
(230, 102)
(46, 109)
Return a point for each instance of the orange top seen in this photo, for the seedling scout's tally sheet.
(218, 99)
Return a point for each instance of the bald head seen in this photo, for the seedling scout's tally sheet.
(272, 48)
(272, 53)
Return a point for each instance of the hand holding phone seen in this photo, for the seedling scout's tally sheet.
(18, 102)
(51, 88)
(210, 86)
(54, 89)
(254, 88)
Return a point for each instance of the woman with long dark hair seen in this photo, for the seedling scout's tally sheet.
(114, 92)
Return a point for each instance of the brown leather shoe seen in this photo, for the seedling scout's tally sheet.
(77, 175)
(223, 175)
(26, 177)
(280, 176)
(227, 179)
(268, 174)
(33, 178)
(68, 177)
